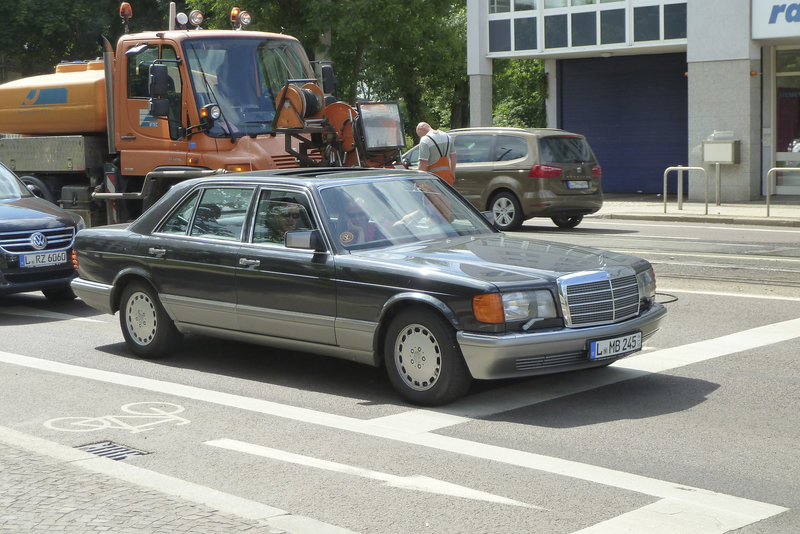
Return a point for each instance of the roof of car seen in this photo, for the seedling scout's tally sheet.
(508, 129)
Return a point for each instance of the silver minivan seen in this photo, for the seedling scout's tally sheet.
(518, 174)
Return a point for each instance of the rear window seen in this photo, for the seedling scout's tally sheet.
(564, 149)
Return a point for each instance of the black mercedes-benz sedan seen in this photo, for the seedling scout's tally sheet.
(35, 242)
(384, 267)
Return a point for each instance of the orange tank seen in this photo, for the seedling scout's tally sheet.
(70, 101)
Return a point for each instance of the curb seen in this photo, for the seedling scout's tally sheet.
(714, 219)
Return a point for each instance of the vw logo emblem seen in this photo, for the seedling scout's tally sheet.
(38, 240)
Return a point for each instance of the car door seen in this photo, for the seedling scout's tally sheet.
(193, 255)
(283, 292)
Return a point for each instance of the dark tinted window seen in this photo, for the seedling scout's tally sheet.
(675, 21)
(499, 35)
(525, 34)
(646, 23)
(178, 222)
(555, 31)
(221, 213)
(584, 29)
(279, 212)
(510, 147)
(472, 148)
(612, 26)
(564, 150)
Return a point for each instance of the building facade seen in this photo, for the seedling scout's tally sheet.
(659, 83)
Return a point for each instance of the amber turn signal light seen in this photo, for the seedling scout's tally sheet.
(488, 308)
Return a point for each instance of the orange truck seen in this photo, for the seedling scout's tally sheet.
(107, 137)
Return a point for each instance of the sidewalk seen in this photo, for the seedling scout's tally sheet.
(47, 487)
(783, 211)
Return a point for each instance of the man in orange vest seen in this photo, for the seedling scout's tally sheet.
(436, 152)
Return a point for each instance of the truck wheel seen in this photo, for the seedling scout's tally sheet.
(507, 211)
(568, 221)
(39, 188)
(147, 328)
(422, 358)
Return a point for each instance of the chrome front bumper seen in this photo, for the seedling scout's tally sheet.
(528, 354)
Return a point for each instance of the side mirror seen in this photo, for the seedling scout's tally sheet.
(406, 163)
(329, 80)
(159, 77)
(159, 107)
(306, 239)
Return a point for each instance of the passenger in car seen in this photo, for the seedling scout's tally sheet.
(355, 226)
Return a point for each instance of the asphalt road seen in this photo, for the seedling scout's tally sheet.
(696, 434)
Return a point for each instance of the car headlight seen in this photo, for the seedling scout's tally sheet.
(524, 305)
(647, 284)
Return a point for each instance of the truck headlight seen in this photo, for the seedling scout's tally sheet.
(647, 284)
(524, 305)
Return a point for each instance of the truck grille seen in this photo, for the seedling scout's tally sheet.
(286, 161)
(21, 242)
(596, 298)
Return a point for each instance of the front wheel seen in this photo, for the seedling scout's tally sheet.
(422, 359)
(147, 328)
(568, 221)
(507, 211)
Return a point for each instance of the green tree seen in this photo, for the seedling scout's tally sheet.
(38, 34)
(519, 93)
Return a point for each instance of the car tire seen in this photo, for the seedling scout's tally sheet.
(59, 294)
(39, 188)
(147, 328)
(570, 221)
(507, 211)
(422, 358)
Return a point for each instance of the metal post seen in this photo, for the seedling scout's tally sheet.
(719, 187)
(680, 188)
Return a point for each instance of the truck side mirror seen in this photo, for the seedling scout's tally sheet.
(159, 77)
(159, 107)
(329, 81)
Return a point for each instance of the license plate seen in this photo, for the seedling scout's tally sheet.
(577, 184)
(607, 348)
(43, 259)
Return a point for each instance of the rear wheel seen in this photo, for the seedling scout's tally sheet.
(422, 358)
(568, 221)
(147, 328)
(507, 211)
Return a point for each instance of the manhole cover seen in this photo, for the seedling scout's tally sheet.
(114, 451)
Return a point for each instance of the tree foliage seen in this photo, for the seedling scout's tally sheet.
(520, 91)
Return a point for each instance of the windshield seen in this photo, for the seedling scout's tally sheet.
(398, 211)
(243, 76)
(11, 187)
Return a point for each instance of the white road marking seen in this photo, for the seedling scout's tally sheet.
(152, 480)
(726, 294)
(416, 482)
(25, 311)
(734, 510)
(733, 228)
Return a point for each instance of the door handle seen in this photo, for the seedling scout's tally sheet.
(157, 252)
(246, 262)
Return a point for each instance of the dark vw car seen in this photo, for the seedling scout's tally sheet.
(35, 242)
(382, 267)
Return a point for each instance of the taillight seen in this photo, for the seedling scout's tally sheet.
(544, 171)
(597, 172)
(74, 260)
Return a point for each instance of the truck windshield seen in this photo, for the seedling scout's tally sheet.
(243, 75)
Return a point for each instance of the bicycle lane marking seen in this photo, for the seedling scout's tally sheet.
(153, 415)
(689, 504)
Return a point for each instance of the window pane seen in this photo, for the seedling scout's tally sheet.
(787, 61)
(646, 24)
(472, 148)
(524, 5)
(499, 6)
(612, 26)
(280, 212)
(675, 21)
(499, 35)
(555, 31)
(554, 3)
(178, 222)
(582, 2)
(139, 72)
(510, 147)
(564, 150)
(525, 34)
(584, 29)
(221, 213)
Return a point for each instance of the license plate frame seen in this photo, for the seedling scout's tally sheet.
(615, 347)
(43, 259)
(577, 184)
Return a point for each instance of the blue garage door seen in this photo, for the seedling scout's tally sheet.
(633, 110)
